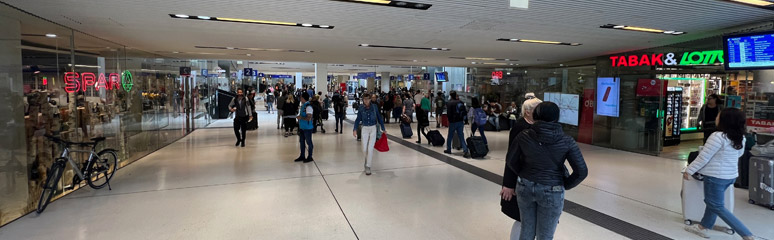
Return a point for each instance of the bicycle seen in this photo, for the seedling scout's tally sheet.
(99, 167)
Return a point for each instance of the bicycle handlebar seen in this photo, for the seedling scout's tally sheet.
(65, 142)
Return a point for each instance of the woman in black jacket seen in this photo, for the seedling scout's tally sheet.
(290, 109)
(509, 205)
(537, 157)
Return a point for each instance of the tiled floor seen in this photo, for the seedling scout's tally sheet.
(202, 187)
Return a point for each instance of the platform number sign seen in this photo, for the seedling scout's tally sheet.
(185, 71)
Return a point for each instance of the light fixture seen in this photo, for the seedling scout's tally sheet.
(389, 3)
(538, 41)
(175, 52)
(641, 29)
(253, 21)
(496, 63)
(399, 47)
(50, 35)
(485, 59)
(757, 3)
(256, 49)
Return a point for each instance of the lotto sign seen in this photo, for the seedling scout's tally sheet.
(75, 82)
(659, 59)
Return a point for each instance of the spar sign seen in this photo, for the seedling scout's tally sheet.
(710, 57)
(75, 82)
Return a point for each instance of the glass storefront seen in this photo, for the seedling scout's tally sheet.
(61, 82)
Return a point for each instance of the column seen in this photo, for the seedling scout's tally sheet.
(370, 84)
(299, 80)
(321, 78)
(386, 81)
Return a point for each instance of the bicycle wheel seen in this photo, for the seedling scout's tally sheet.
(54, 173)
(102, 168)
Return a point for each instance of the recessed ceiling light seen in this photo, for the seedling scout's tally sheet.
(410, 48)
(253, 21)
(389, 3)
(50, 35)
(249, 55)
(538, 41)
(757, 3)
(256, 49)
(641, 29)
(175, 52)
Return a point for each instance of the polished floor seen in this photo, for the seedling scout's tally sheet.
(202, 187)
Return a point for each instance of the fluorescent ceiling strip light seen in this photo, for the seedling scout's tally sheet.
(641, 29)
(257, 49)
(759, 3)
(538, 41)
(492, 63)
(253, 21)
(388, 3)
(409, 48)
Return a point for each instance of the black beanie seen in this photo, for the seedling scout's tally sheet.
(546, 112)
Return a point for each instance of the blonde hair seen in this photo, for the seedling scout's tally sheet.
(528, 107)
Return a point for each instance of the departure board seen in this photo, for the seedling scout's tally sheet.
(751, 51)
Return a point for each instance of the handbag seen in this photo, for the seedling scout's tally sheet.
(381, 144)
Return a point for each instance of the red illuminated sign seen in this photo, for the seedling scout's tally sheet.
(497, 74)
(75, 82)
(635, 60)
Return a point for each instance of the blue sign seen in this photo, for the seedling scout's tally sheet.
(280, 76)
(426, 76)
(749, 51)
(255, 72)
(366, 75)
(205, 72)
(392, 78)
(261, 75)
(248, 72)
(379, 78)
(411, 77)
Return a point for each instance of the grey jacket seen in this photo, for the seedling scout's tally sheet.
(243, 108)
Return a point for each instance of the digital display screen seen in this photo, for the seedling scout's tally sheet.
(441, 77)
(608, 96)
(750, 51)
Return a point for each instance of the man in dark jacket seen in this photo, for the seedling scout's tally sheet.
(280, 106)
(240, 106)
(537, 157)
(456, 112)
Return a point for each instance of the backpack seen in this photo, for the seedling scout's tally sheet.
(461, 110)
(317, 111)
(479, 116)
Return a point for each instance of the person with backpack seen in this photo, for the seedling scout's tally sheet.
(408, 107)
(538, 156)
(718, 162)
(456, 112)
(368, 116)
(289, 110)
(440, 105)
(306, 125)
(317, 106)
(243, 114)
(479, 119)
(269, 101)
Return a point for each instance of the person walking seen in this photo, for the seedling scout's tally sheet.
(306, 125)
(509, 205)
(240, 106)
(477, 118)
(456, 112)
(269, 100)
(289, 110)
(368, 116)
(408, 107)
(398, 109)
(537, 157)
(387, 107)
(423, 122)
(339, 110)
(440, 105)
(707, 115)
(283, 97)
(717, 161)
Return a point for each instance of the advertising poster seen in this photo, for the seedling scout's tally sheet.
(733, 101)
(608, 96)
(586, 128)
(569, 105)
(651, 88)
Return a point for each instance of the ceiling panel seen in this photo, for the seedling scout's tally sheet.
(468, 28)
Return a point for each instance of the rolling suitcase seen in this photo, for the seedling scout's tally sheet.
(405, 130)
(456, 142)
(435, 138)
(762, 181)
(694, 206)
(477, 147)
(444, 120)
(743, 181)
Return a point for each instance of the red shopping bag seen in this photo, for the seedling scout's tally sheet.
(381, 144)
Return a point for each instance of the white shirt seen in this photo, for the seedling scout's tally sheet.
(718, 158)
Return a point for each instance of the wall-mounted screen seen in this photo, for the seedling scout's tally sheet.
(441, 76)
(749, 51)
(608, 96)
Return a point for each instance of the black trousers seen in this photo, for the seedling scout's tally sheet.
(421, 132)
(339, 121)
(240, 127)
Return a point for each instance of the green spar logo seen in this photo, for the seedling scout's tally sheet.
(126, 80)
(702, 57)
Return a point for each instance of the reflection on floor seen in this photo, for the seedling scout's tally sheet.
(202, 187)
(681, 151)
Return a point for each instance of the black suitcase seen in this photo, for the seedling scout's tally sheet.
(743, 181)
(435, 138)
(477, 147)
(325, 114)
(253, 125)
(405, 130)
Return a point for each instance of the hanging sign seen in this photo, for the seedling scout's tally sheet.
(75, 82)
(497, 75)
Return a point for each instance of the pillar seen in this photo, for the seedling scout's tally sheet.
(386, 81)
(370, 84)
(299, 80)
(321, 78)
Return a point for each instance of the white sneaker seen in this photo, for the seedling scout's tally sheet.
(698, 231)
(368, 171)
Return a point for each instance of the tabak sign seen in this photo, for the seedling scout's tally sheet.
(75, 82)
(669, 59)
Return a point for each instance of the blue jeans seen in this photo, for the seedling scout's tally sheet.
(456, 127)
(305, 136)
(475, 126)
(714, 197)
(540, 207)
(495, 120)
